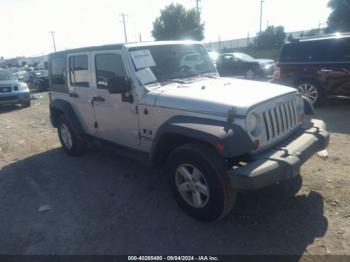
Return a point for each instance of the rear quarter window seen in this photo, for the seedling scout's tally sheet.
(58, 69)
(330, 50)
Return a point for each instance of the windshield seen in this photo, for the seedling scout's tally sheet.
(4, 75)
(175, 61)
(244, 57)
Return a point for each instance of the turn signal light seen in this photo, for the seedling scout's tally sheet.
(219, 148)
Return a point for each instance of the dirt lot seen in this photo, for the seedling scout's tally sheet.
(102, 203)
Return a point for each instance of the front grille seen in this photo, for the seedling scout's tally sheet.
(280, 120)
(6, 89)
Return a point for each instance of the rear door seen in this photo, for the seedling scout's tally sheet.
(80, 89)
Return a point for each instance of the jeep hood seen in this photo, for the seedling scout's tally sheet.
(217, 96)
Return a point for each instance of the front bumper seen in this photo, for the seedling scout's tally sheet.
(14, 98)
(283, 162)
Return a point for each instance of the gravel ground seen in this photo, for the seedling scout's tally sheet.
(105, 204)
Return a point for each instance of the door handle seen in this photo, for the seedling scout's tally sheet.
(75, 95)
(98, 99)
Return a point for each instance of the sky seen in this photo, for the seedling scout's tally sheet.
(25, 24)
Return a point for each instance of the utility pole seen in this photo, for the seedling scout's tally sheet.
(53, 39)
(197, 6)
(124, 24)
(261, 13)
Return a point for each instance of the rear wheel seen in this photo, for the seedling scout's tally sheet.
(311, 90)
(199, 182)
(70, 141)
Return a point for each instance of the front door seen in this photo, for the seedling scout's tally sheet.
(81, 91)
(116, 119)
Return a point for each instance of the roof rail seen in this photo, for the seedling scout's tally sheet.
(323, 36)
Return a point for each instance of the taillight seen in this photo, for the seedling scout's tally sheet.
(277, 73)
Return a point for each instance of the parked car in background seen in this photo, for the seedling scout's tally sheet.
(318, 68)
(21, 75)
(239, 65)
(41, 80)
(190, 61)
(12, 91)
(268, 66)
(36, 80)
(213, 55)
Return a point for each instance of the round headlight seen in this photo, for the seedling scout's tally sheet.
(254, 126)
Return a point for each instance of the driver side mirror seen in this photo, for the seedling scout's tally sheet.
(118, 85)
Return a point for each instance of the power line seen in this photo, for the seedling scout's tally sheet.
(53, 39)
(124, 24)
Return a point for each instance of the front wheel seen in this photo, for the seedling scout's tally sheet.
(199, 182)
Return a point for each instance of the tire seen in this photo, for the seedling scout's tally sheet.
(310, 89)
(26, 104)
(286, 189)
(218, 199)
(71, 143)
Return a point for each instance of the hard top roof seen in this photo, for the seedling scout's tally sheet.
(119, 46)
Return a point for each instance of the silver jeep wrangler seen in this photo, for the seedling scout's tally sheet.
(165, 101)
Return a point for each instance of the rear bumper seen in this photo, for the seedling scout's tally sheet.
(282, 163)
(14, 98)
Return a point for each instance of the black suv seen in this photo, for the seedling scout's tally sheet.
(318, 68)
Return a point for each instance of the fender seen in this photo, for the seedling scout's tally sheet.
(235, 140)
(69, 113)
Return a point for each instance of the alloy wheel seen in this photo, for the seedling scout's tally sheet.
(310, 91)
(66, 136)
(192, 185)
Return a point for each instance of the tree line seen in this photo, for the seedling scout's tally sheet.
(178, 23)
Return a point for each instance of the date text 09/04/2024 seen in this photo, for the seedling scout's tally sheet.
(173, 258)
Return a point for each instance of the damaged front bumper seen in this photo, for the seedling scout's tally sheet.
(283, 162)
